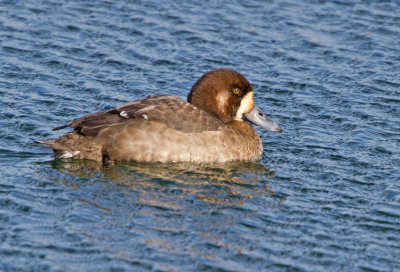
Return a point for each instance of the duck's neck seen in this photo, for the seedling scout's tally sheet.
(245, 129)
(252, 139)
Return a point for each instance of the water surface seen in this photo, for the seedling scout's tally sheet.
(324, 197)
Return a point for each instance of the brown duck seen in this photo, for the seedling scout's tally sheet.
(210, 127)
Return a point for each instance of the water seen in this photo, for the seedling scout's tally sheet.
(324, 197)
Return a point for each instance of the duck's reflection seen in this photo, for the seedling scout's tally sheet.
(170, 208)
(162, 184)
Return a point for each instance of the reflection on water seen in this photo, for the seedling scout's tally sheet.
(327, 70)
(187, 210)
(230, 183)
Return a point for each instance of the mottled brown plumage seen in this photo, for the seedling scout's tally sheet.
(165, 128)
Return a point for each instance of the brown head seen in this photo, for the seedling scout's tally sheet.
(228, 95)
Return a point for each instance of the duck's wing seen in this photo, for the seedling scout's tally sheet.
(168, 109)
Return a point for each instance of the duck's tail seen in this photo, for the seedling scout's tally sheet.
(48, 143)
(74, 145)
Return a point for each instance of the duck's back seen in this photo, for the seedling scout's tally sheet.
(168, 109)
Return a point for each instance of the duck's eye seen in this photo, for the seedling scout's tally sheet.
(236, 91)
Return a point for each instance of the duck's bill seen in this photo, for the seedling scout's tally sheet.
(256, 116)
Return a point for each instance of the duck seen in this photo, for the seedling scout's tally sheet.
(214, 125)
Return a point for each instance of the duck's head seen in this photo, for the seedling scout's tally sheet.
(228, 95)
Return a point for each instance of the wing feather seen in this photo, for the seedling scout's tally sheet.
(168, 109)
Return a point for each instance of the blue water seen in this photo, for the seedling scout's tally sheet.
(324, 197)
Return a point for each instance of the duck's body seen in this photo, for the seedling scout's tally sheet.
(165, 128)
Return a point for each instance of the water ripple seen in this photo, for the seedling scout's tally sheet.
(323, 197)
